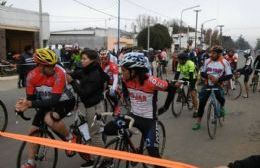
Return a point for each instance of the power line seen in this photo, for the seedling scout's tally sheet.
(92, 8)
(141, 6)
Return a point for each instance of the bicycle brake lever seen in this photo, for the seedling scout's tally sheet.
(21, 114)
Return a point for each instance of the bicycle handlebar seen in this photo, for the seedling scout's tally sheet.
(21, 114)
(182, 82)
(212, 89)
(99, 116)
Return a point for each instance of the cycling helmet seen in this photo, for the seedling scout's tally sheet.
(247, 53)
(218, 49)
(45, 56)
(183, 56)
(104, 53)
(134, 60)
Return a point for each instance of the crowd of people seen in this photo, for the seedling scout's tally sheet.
(91, 72)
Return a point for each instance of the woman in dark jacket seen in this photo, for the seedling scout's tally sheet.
(90, 89)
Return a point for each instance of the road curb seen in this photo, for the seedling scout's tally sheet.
(8, 78)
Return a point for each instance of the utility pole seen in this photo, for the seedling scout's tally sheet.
(118, 27)
(201, 34)
(197, 11)
(183, 10)
(221, 37)
(40, 19)
(148, 34)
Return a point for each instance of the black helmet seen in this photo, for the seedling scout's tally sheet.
(183, 56)
(218, 49)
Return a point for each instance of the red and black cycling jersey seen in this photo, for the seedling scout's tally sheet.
(142, 96)
(110, 69)
(45, 89)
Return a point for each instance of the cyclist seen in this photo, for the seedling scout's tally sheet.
(232, 58)
(256, 66)
(90, 90)
(111, 69)
(215, 70)
(247, 70)
(187, 68)
(46, 90)
(112, 58)
(142, 90)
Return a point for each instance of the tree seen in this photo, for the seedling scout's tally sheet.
(159, 37)
(227, 42)
(142, 21)
(257, 47)
(3, 3)
(215, 38)
(208, 33)
(242, 44)
(176, 27)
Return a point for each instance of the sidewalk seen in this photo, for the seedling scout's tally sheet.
(8, 78)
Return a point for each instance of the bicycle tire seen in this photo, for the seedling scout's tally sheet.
(177, 104)
(119, 145)
(3, 117)
(161, 145)
(163, 140)
(211, 120)
(237, 87)
(39, 158)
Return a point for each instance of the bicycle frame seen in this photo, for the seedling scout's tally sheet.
(213, 100)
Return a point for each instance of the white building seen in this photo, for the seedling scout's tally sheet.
(181, 40)
(19, 27)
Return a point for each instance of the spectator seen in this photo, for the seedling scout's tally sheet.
(57, 51)
(26, 63)
(21, 79)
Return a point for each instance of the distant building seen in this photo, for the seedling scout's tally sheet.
(185, 38)
(19, 28)
(93, 38)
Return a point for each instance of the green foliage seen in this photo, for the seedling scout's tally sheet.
(3, 3)
(227, 42)
(242, 44)
(159, 37)
(257, 47)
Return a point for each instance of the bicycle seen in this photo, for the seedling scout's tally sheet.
(46, 156)
(122, 102)
(181, 98)
(123, 142)
(213, 114)
(255, 81)
(233, 87)
(161, 69)
(3, 116)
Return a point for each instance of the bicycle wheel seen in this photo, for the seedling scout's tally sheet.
(235, 91)
(162, 137)
(115, 144)
(211, 120)
(177, 104)
(45, 156)
(3, 116)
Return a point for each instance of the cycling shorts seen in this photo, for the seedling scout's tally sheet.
(62, 108)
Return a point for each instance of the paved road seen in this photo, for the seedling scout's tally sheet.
(239, 138)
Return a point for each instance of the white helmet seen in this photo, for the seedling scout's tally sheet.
(134, 60)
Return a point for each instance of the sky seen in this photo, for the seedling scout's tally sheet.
(239, 17)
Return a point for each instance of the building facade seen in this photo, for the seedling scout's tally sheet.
(94, 38)
(19, 28)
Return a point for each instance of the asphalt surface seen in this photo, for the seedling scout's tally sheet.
(237, 139)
